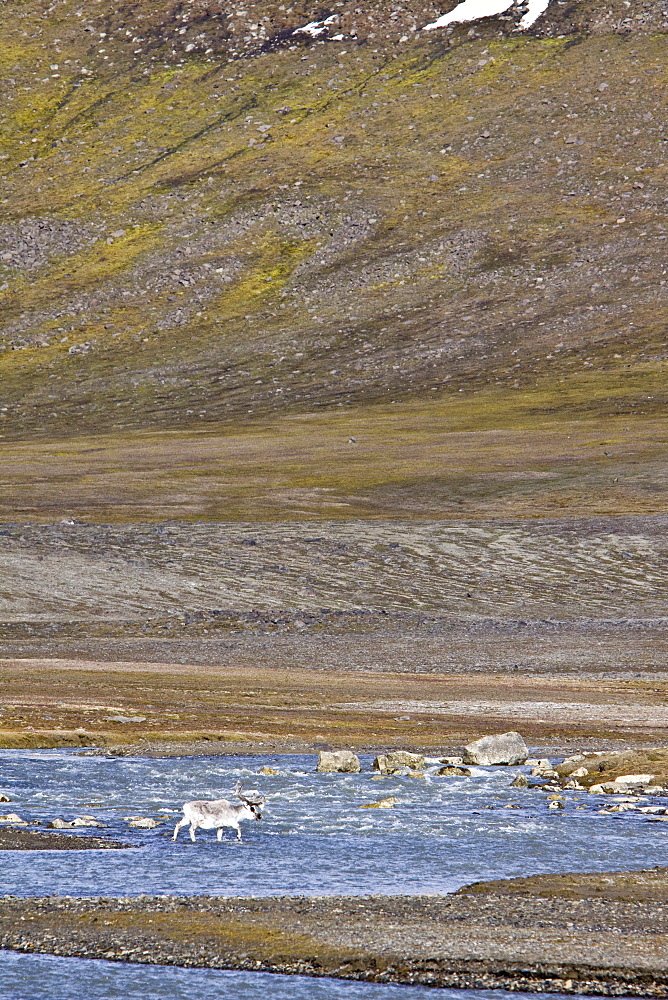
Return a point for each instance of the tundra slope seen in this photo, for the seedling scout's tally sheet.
(211, 220)
(249, 276)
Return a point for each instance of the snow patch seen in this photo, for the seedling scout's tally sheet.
(316, 28)
(536, 8)
(470, 10)
(474, 10)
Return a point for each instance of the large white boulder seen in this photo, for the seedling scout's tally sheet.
(507, 748)
(626, 783)
(605, 788)
(344, 761)
(634, 779)
(11, 818)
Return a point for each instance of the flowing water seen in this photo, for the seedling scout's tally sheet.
(46, 977)
(315, 838)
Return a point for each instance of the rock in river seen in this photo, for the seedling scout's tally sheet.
(63, 824)
(634, 779)
(389, 763)
(543, 769)
(338, 760)
(507, 748)
(453, 771)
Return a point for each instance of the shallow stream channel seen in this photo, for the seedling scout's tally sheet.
(316, 838)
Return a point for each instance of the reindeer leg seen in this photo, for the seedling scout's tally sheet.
(193, 827)
(182, 822)
(219, 835)
(238, 833)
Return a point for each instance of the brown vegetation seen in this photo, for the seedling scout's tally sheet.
(187, 709)
(647, 886)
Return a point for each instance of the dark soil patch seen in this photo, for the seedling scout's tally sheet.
(13, 839)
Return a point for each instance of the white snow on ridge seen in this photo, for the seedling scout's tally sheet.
(467, 10)
(473, 10)
(316, 28)
(470, 10)
(536, 8)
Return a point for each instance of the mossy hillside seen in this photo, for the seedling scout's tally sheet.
(424, 217)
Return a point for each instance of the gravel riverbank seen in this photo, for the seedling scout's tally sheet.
(606, 945)
(12, 839)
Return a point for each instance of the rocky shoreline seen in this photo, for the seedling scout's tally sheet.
(473, 939)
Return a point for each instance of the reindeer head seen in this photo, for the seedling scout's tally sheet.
(254, 804)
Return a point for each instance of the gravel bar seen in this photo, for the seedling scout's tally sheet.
(13, 839)
(472, 939)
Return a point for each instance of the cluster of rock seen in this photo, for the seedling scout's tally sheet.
(506, 748)
(613, 772)
(582, 772)
(219, 31)
(142, 822)
(32, 242)
(619, 772)
(63, 824)
(13, 818)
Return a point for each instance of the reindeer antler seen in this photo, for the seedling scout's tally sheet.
(244, 798)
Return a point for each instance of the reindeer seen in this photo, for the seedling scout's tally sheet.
(218, 813)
